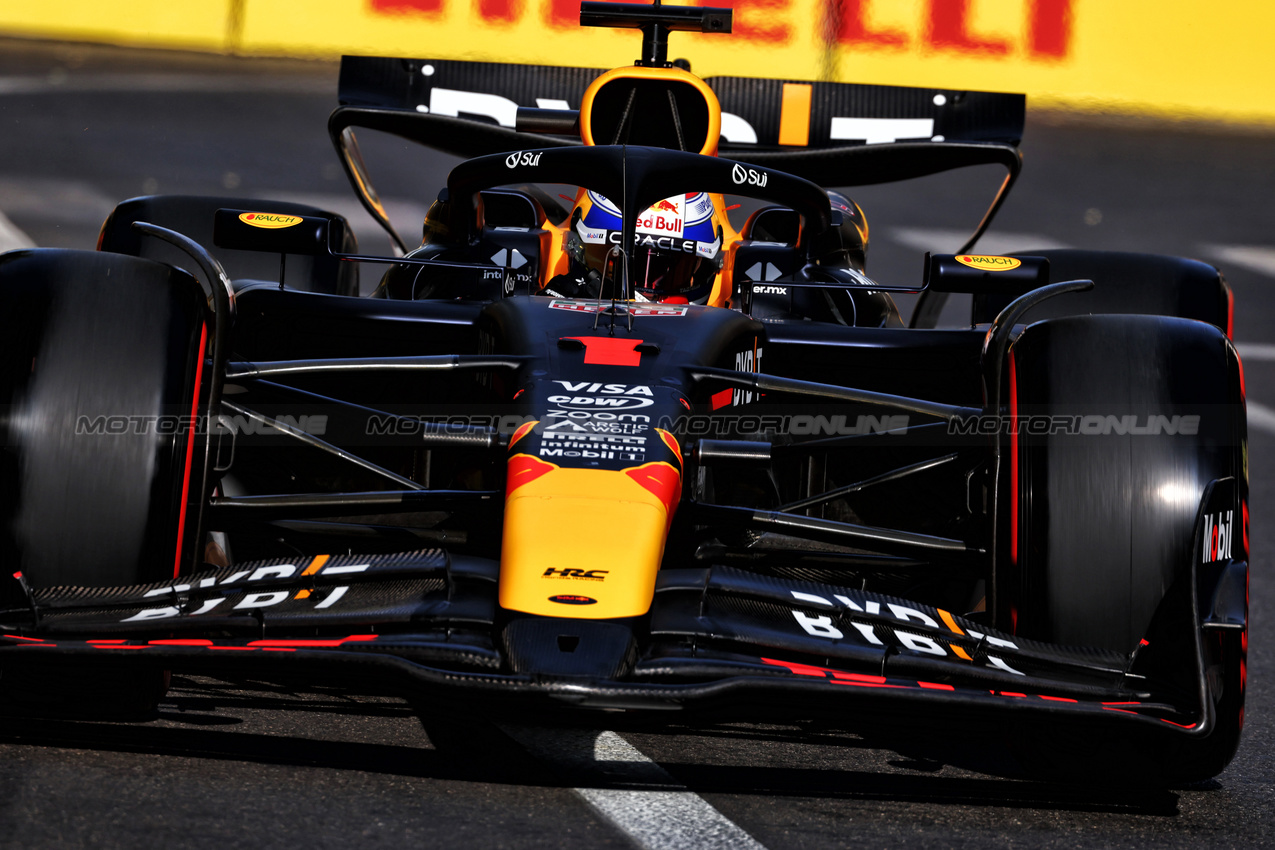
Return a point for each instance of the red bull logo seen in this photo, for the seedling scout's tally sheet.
(663, 218)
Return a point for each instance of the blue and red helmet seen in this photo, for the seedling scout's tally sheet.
(677, 250)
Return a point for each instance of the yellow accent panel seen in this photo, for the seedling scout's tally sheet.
(316, 565)
(794, 115)
(554, 261)
(587, 520)
(950, 622)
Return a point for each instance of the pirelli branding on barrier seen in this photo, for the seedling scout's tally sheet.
(1181, 58)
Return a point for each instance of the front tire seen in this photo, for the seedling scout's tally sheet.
(1102, 515)
(1144, 412)
(100, 470)
(99, 377)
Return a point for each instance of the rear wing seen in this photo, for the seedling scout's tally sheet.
(835, 134)
(758, 114)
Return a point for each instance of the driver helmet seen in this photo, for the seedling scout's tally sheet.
(678, 248)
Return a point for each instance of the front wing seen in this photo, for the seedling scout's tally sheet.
(720, 641)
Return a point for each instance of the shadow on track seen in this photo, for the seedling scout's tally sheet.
(468, 748)
(210, 743)
(904, 788)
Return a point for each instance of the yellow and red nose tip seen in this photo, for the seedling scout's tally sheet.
(584, 543)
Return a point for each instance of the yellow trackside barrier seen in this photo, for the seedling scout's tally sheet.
(530, 31)
(1175, 58)
(181, 24)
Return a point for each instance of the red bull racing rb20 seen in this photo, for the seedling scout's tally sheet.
(631, 431)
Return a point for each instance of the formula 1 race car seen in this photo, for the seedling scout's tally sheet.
(595, 444)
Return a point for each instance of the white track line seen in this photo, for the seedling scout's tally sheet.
(1261, 417)
(1257, 351)
(11, 238)
(660, 815)
(1255, 258)
(54, 201)
(993, 242)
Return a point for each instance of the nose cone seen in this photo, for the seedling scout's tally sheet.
(584, 543)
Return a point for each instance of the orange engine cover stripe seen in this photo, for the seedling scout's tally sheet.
(794, 115)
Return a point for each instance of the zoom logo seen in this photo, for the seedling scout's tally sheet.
(518, 158)
(743, 175)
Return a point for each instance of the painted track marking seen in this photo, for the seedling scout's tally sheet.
(11, 238)
(631, 791)
(993, 242)
(56, 201)
(1254, 258)
(1256, 351)
(1261, 417)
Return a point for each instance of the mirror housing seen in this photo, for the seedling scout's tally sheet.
(985, 274)
(276, 233)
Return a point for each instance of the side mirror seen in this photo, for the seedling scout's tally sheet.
(983, 274)
(276, 233)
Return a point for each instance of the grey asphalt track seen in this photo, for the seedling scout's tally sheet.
(240, 764)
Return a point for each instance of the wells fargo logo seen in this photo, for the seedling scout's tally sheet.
(937, 25)
(269, 221)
